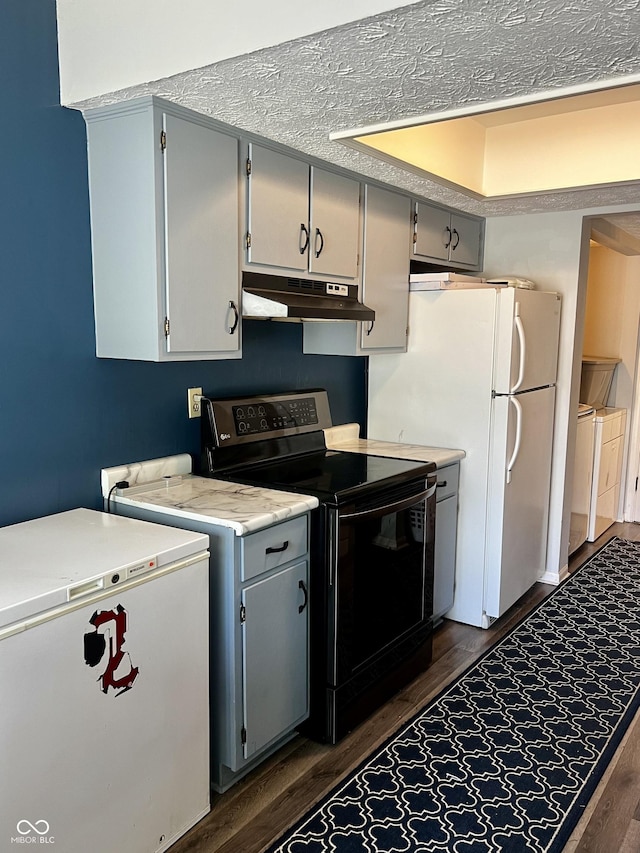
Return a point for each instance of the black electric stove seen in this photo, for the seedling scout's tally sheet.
(278, 443)
(372, 539)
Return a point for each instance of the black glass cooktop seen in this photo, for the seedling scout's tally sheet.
(331, 475)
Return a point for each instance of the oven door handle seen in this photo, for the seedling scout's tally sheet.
(397, 506)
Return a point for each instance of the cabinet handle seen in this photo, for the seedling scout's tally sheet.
(319, 234)
(303, 230)
(302, 586)
(278, 550)
(447, 241)
(371, 325)
(232, 328)
(441, 484)
(457, 236)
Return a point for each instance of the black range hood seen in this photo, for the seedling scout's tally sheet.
(274, 297)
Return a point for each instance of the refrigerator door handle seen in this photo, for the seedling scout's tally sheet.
(523, 348)
(516, 445)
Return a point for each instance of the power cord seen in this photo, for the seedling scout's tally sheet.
(121, 484)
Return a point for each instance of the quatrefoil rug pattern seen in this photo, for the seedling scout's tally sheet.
(506, 757)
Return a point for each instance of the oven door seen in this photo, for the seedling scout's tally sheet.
(380, 577)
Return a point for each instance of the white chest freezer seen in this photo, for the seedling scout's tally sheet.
(104, 732)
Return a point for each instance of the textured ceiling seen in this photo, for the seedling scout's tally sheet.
(430, 56)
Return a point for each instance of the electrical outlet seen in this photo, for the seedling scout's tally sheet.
(193, 402)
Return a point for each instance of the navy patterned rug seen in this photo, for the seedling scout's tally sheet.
(505, 758)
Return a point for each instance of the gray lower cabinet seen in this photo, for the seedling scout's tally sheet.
(445, 544)
(274, 646)
(258, 639)
(259, 644)
(164, 201)
(443, 236)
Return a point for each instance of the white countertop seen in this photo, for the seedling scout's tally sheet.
(164, 485)
(244, 509)
(346, 437)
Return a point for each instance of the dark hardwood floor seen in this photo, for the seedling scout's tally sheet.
(255, 811)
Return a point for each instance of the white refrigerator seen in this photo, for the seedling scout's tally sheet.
(479, 375)
(104, 734)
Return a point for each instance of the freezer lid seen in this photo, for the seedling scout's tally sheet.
(49, 561)
(527, 338)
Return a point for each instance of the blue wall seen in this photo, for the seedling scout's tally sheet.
(64, 414)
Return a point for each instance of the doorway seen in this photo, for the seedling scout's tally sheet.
(611, 329)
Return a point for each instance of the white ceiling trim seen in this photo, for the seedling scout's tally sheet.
(489, 107)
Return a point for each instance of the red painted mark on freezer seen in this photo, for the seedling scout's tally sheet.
(95, 646)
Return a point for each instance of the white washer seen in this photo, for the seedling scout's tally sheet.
(582, 477)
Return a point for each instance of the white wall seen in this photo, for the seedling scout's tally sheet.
(606, 296)
(625, 378)
(106, 45)
(612, 318)
(552, 249)
(612, 327)
(547, 249)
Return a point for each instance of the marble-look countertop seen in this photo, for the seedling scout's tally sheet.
(244, 509)
(346, 437)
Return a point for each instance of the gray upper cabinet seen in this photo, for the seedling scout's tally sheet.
(301, 218)
(165, 227)
(385, 283)
(444, 236)
(386, 270)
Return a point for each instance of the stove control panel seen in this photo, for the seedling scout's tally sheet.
(265, 417)
(236, 421)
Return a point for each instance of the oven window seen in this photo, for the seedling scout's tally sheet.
(383, 591)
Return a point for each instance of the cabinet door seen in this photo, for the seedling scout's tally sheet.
(465, 241)
(278, 210)
(444, 570)
(444, 236)
(433, 232)
(385, 269)
(201, 257)
(275, 656)
(334, 224)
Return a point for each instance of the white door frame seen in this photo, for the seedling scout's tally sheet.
(631, 505)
